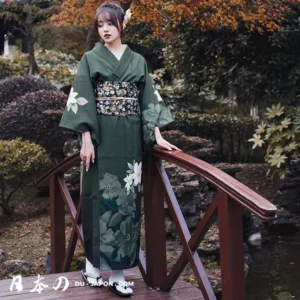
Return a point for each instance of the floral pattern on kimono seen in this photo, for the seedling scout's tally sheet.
(119, 230)
(80, 114)
(155, 113)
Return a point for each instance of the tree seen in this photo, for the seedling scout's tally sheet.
(24, 15)
(79, 12)
(164, 16)
(249, 47)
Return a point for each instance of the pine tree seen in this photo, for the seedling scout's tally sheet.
(25, 15)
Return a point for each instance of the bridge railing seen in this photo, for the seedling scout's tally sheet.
(230, 199)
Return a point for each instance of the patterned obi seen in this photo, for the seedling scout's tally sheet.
(116, 98)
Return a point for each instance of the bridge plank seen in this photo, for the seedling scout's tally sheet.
(180, 290)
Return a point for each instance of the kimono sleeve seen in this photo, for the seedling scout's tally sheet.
(80, 113)
(155, 113)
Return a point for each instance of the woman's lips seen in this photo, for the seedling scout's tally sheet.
(107, 35)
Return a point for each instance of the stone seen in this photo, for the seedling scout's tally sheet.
(2, 255)
(70, 147)
(284, 223)
(192, 221)
(191, 185)
(12, 267)
(178, 190)
(289, 190)
(171, 169)
(170, 226)
(189, 209)
(187, 176)
(193, 145)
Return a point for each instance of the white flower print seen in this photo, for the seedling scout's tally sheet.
(159, 98)
(73, 101)
(128, 180)
(137, 173)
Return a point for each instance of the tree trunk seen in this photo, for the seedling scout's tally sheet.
(232, 98)
(33, 67)
(253, 107)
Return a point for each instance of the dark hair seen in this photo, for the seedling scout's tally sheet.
(116, 15)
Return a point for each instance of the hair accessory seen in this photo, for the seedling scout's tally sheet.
(127, 16)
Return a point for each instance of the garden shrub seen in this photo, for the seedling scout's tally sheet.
(13, 66)
(15, 86)
(280, 130)
(229, 133)
(57, 67)
(35, 117)
(21, 164)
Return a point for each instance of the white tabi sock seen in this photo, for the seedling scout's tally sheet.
(118, 276)
(92, 271)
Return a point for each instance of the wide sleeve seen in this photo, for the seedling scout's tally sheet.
(80, 113)
(154, 111)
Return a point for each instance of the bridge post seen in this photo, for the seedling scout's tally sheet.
(156, 261)
(57, 221)
(231, 249)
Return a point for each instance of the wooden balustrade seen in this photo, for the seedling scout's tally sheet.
(228, 204)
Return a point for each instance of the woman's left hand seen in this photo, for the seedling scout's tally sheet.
(162, 142)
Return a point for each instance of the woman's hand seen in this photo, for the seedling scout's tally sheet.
(87, 152)
(162, 142)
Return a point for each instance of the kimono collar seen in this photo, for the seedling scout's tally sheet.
(119, 66)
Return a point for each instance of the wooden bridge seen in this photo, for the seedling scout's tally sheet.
(151, 276)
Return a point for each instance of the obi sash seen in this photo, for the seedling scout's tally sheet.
(117, 98)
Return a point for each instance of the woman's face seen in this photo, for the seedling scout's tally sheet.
(107, 31)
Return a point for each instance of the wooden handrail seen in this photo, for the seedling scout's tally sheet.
(63, 166)
(249, 199)
(239, 192)
(228, 203)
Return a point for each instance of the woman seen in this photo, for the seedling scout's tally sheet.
(115, 107)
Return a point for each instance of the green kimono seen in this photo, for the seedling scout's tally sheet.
(115, 101)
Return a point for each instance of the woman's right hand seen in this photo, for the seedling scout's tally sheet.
(87, 152)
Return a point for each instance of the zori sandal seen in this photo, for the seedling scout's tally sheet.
(91, 280)
(119, 290)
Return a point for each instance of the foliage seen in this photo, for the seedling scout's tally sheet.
(281, 131)
(21, 164)
(15, 86)
(35, 116)
(228, 132)
(249, 48)
(68, 39)
(261, 15)
(77, 12)
(58, 67)
(164, 16)
(24, 16)
(258, 68)
(15, 65)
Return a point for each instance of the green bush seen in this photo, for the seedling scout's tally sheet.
(281, 133)
(229, 133)
(21, 164)
(58, 67)
(17, 65)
